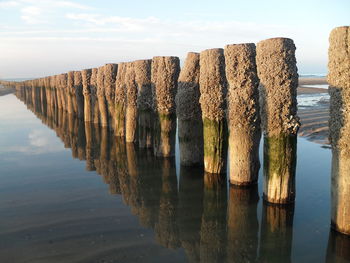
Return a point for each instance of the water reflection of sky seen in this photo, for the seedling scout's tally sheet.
(314, 99)
(21, 133)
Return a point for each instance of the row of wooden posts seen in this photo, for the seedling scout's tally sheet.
(220, 97)
(216, 91)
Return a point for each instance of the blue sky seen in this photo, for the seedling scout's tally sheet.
(45, 37)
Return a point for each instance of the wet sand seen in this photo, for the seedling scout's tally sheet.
(314, 119)
(5, 90)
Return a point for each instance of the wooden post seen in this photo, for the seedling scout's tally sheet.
(120, 97)
(144, 102)
(78, 86)
(243, 113)
(339, 126)
(86, 76)
(189, 114)
(165, 73)
(131, 104)
(110, 73)
(102, 105)
(278, 75)
(213, 89)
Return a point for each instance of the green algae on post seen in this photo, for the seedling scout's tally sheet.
(213, 89)
(277, 71)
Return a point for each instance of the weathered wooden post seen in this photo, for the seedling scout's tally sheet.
(110, 73)
(278, 75)
(144, 102)
(276, 233)
(63, 84)
(86, 76)
(120, 97)
(93, 91)
(243, 113)
(78, 86)
(339, 126)
(213, 89)
(189, 114)
(131, 104)
(70, 91)
(165, 73)
(103, 114)
(242, 224)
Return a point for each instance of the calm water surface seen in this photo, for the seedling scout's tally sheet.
(70, 192)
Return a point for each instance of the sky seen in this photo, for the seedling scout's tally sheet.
(45, 37)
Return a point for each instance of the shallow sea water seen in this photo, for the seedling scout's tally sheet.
(72, 193)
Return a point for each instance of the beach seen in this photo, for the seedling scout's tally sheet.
(313, 109)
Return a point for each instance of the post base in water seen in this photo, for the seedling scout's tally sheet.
(279, 168)
(164, 137)
(191, 142)
(215, 146)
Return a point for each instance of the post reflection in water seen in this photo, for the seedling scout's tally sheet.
(243, 226)
(338, 248)
(276, 233)
(213, 228)
(201, 217)
(190, 210)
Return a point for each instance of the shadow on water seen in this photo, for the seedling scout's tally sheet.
(199, 215)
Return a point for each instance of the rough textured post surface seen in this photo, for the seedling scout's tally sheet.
(120, 97)
(93, 92)
(102, 105)
(243, 113)
(189, 114)
(213, 89)
(86, 76)
(131, 104)
(144, 102)
(71, 92)
(278, 76)
(165, 72)
(78, 86)
(339, 126)
(110, 73)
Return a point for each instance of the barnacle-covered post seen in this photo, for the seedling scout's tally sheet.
(86, 76)
(95, 113)
(243, 113)
(110, 73)
(189, 114)
(213, 89)
(120, 97)
(131, 104)
(102, 105)
(165, 73)
(70, 92)
(78, 86)
(339, 126)
(278, 76)
(144, 102)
